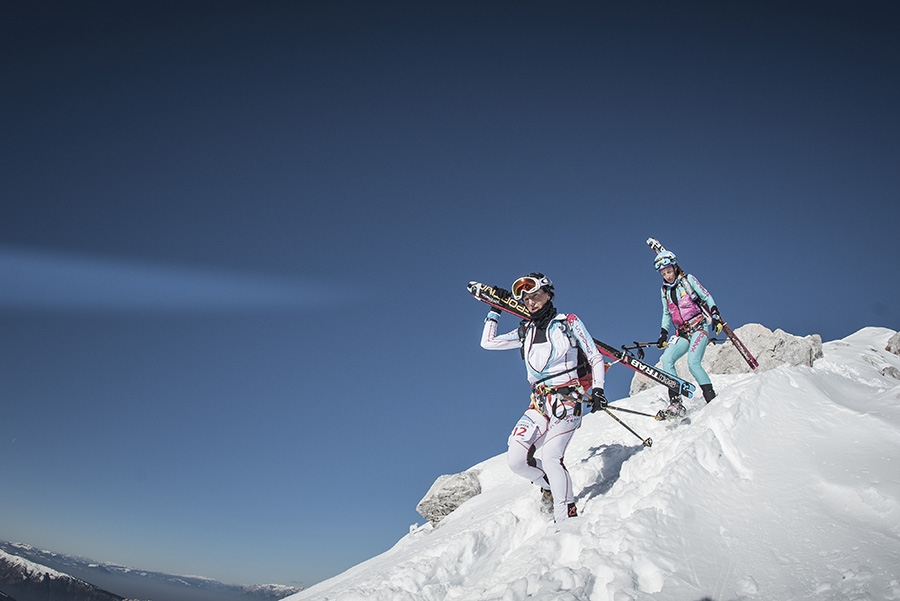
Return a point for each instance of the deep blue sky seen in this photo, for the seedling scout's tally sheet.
(235, 237)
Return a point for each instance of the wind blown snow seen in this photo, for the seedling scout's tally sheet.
(785, 487)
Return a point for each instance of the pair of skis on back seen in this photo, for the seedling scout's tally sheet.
(505, 302)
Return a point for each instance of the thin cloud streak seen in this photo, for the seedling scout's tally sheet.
(37, 280)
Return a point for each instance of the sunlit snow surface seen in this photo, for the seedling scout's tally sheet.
(786, 487)
(30, 568)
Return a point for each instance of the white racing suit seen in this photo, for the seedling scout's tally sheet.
(550, 421)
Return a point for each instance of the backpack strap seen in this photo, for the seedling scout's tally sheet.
(685, 283)
(696, 297)
(582, 366)
(523, 328)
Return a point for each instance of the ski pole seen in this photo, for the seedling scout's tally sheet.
(586, 399)
(640, 346)
(653, 415)
(648, 442)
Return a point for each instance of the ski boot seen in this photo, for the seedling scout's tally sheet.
(546, 501)
(675, 409)
(708, 392)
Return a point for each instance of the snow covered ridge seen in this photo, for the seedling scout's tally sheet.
(103, 577)
(26, 580)
(784, 487)
(29, 568)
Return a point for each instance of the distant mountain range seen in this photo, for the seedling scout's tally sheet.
(25, 580)
(30, 574)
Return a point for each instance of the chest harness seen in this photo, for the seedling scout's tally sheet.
(544, 396)
(694, 324)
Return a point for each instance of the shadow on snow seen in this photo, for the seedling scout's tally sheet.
(613, 456)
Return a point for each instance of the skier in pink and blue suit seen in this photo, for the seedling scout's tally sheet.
(684, 300)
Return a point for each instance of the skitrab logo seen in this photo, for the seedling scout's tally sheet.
(654, 373)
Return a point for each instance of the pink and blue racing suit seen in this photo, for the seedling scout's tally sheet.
(682, 313)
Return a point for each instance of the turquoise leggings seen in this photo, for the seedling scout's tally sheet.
(695, 347)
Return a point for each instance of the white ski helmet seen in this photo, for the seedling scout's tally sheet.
(664, 259)
(532, 282)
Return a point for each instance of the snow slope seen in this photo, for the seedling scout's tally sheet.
(31, 569)
(785, 487)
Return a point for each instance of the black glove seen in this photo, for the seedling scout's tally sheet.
(717, 322)
(502, 293)
(663, 337)
(598, 400)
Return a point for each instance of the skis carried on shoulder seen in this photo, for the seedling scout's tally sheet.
(501, 299)
(657, 247)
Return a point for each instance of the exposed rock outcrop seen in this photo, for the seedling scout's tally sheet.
(893, 344)
(771, 349)
(446, 494)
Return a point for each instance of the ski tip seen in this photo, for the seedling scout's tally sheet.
(655, 245)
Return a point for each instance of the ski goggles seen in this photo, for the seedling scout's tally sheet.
(528, 284)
